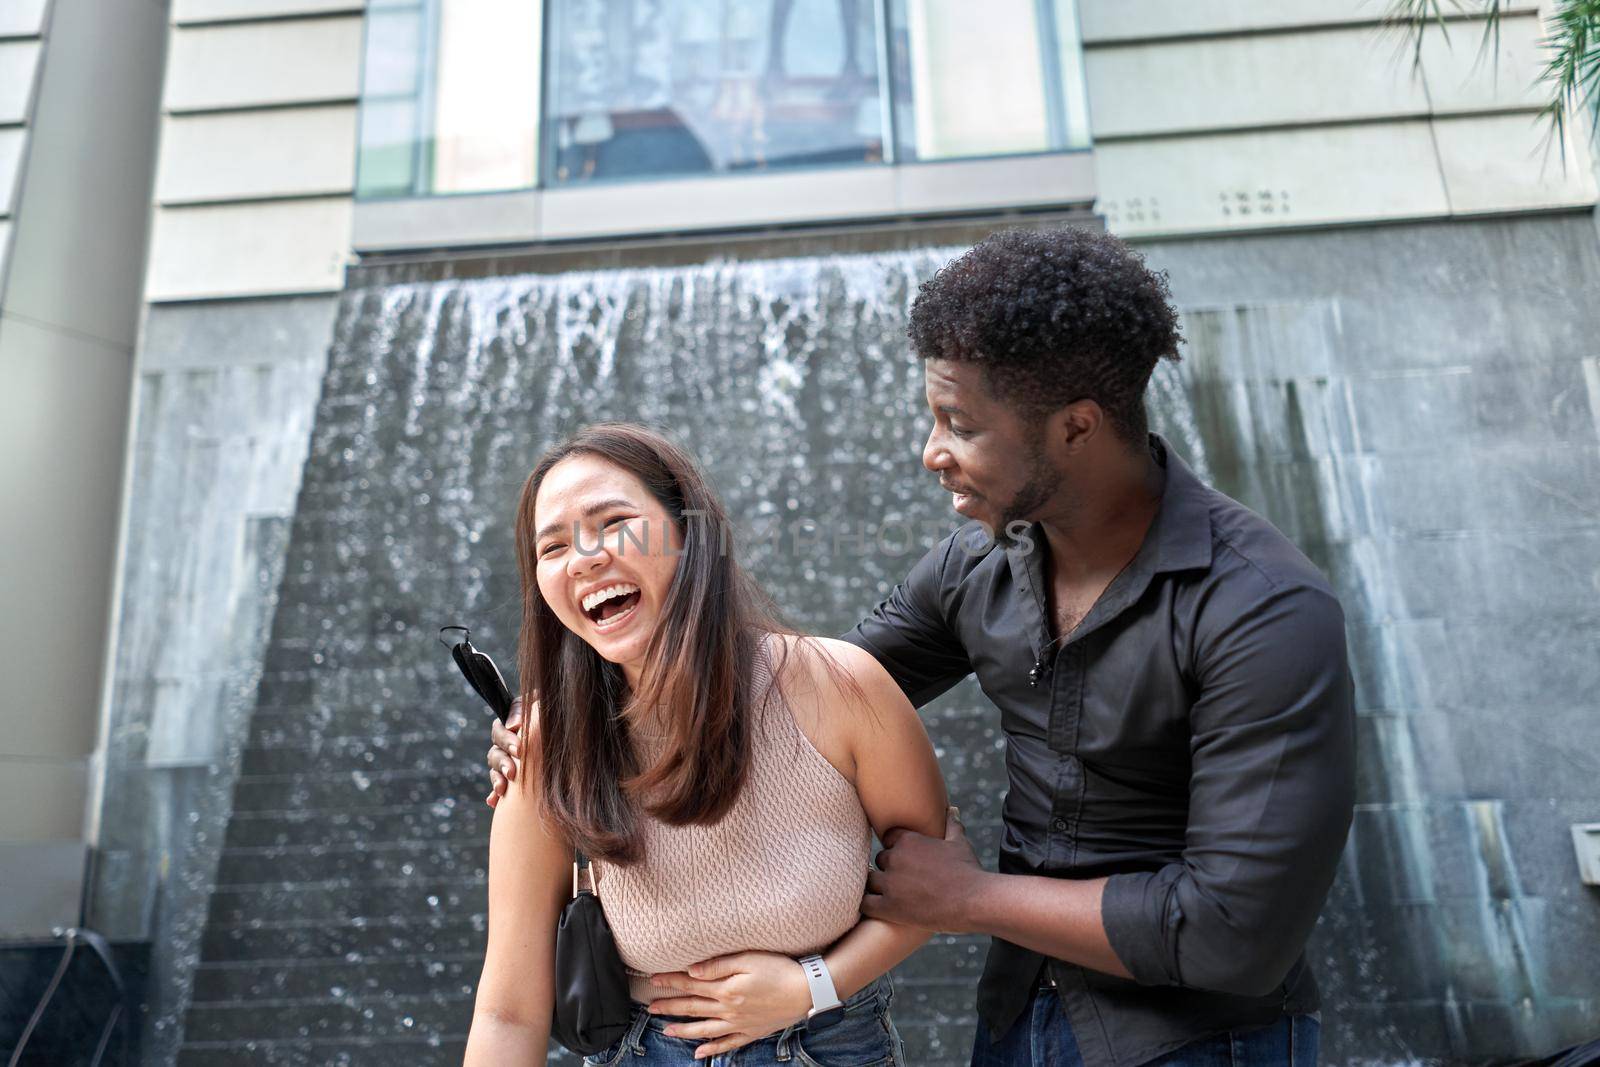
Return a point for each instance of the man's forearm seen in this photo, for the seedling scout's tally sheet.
(1059, 917)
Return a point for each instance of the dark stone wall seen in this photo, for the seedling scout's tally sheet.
(1418, 407)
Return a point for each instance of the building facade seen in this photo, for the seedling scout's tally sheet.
(1382, 268)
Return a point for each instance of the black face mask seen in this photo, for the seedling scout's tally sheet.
(480, 671)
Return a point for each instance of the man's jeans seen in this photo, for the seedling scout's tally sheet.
(1042, 1037)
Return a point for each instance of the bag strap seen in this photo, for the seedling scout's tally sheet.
(580, 862)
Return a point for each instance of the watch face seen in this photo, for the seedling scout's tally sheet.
(825, 1018)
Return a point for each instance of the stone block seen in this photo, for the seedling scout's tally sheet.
(298, 246)
(1105, 21)
(223, 10)
(262, 944)
(251, 64)
(318, 980)
(1360, 1031)
(459, 819)
(323, 1020)
(310, 903)
(1271, 178)
(1510, 163)
(1246, 81)
(297, 151)
(1388, 847)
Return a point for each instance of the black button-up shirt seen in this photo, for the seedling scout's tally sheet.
(1193, 739)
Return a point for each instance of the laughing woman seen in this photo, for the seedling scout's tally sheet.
(723, 773)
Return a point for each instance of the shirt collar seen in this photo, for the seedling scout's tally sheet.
(1179, 539)
(1181, 533)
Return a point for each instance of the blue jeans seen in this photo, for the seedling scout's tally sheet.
(1042, 1037)
(865, 1037)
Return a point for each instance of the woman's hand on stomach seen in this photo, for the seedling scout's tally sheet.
(735, 999)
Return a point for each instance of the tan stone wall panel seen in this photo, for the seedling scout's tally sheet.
(1499, 163)
(1246, 181)
(263, 63)
(1279, 79)
(1461, 76)
(241, 155)
(1120, 20)
(295, 246)
(217, 10)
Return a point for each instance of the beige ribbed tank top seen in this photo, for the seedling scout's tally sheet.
(783, 871)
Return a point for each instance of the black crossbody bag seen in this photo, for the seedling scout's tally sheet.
(592, 1008)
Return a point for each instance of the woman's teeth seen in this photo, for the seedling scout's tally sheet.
(600, 596)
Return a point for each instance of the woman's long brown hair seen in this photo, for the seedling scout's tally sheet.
(697, 666)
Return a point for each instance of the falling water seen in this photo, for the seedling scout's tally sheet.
(347, 917)
(350, 894)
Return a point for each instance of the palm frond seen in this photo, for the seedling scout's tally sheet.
(1412, 18)
(1572, 48)
(1572, 69)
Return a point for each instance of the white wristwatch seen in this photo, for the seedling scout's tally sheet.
(825, 1006)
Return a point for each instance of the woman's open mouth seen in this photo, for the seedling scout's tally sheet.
(612, 606)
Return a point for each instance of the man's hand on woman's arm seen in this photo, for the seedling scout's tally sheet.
(504, 753)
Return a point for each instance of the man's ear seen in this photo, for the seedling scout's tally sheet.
(1073, 427)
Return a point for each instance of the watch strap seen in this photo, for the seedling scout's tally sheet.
(823, 993)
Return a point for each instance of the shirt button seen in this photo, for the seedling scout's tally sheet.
(1058, 825)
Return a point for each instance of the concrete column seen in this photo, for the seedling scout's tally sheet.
(69, 314)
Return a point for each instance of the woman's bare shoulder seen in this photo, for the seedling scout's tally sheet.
(832, 670)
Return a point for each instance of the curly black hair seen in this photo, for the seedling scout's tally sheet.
(1052, 316)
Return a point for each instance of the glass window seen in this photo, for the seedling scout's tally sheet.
(657, 87)
(998, 78)
(452, 100)
(449, 97)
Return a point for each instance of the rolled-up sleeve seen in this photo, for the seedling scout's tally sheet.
(910, 634)
(1271, 796)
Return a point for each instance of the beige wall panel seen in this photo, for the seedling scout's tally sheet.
(1279, 79)
(297, 246)
(263, 63)
(1118, 20)
(22, 18)
(1272, 178)
(41, 800)
(1121, 20)
(1505, 163)
(18, 62)
(241, 155)
(218, 10)
(12, 143)
(1462, 77)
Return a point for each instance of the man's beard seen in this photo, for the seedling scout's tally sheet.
(1041, 484)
